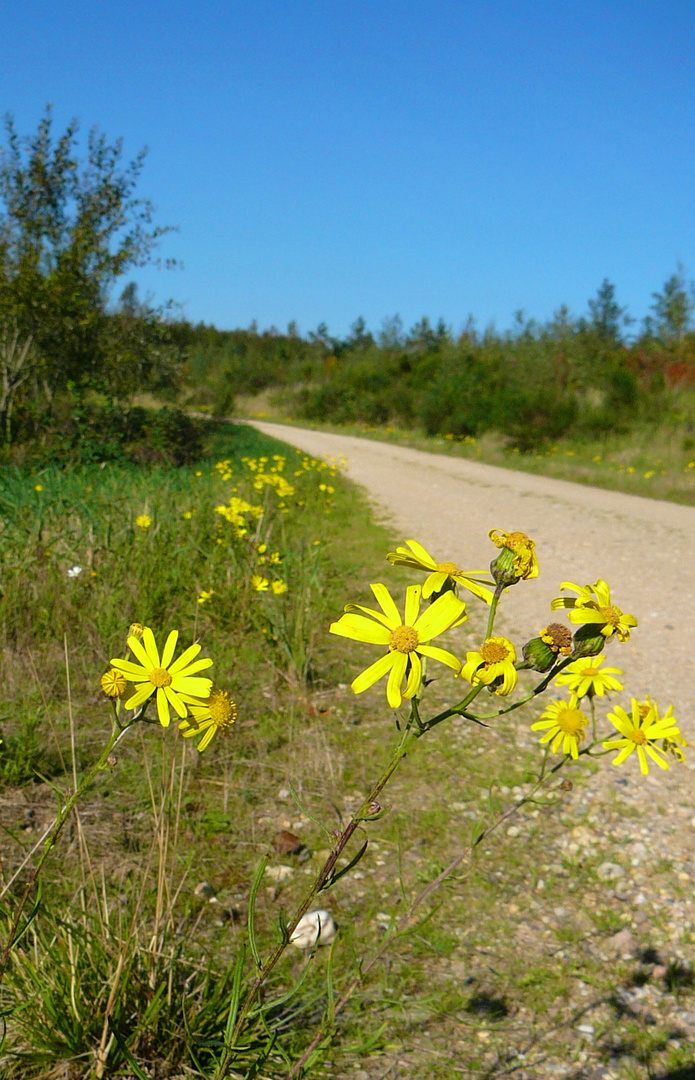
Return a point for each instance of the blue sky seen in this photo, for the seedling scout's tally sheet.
(325, 160)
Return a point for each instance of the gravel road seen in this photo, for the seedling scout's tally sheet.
(642, 547)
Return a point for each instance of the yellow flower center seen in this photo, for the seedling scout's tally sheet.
(591, 672)
(638, 736)
(571, 721)
(160, 677)
(611, 615)
(404, 639)
(448, 568)
(223, 710)
(493, 652)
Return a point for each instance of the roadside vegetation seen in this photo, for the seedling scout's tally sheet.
(468, 940)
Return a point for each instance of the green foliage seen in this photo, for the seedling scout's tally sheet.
(69, 229)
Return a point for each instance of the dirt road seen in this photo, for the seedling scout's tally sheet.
(642, 547)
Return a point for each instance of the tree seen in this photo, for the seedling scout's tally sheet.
(673, 308)
(69, 229)
(608, 318)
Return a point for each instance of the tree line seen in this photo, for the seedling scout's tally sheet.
(73, 229)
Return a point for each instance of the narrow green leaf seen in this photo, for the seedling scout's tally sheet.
(235, 995)
(127, 1054)
(337, 874)
(255, 886)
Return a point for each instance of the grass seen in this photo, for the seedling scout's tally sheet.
(127, 949)
(655, 462)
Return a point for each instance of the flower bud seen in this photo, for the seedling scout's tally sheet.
(503, 568)
(588, 641)
(539, 655)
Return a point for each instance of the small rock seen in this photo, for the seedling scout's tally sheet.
(286, 843)
(382, 920)
(205, 891)
(622, 943)
(610, 871)
(284, 793)
(659, 971)
(278, 874)
(513, 830)
(586, 1029)
(314, 927)
(641, 917)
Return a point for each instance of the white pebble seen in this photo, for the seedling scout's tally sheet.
(315, 926)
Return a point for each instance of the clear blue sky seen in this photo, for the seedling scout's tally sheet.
(325, 159)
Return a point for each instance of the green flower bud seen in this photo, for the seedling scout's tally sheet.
(588, 641)
(538, 655)
(503, 569)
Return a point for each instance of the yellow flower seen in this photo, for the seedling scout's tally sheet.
(563, 723)
(38, 487)
(494, 660)
(113, 683)
(143, 521)
(524, 562)
(593, 605)
(640, 731)
(584, 676)
(217, 713)
(205, 595)
(439, 573)
(136, 629)
(188, 514)
(260, 584)
(406, 639)
(278, 587)
(170, 680)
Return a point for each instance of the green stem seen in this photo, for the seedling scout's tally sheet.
(408, 738)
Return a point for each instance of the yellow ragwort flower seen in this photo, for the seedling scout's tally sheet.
(640, 731)
(494, 660)
(170, 680)
(113, 683)
(278, 587)
(584, 676)
(216, 713)
(406, 639)
(136, 629)
(143, 521)
(260, 584)
(564, 724)
(558, 638)
(205, 595)
(439, 573)
(593, 605)
(523, 548)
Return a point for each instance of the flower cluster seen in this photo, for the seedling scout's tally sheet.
(175, 684)
(574, 661)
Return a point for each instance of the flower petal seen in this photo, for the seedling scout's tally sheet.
(373, 673)
(163, 707)
(150, 646)
(358, 628)
(439, 616)
(412, 604)
(414, 676)
(443, 655)
(197, 687)
(423, 556)
(136, 647)
(188, 654)
(174, 699)
(387, 605)
(396, 676)
(169, 648)
(140, 696)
